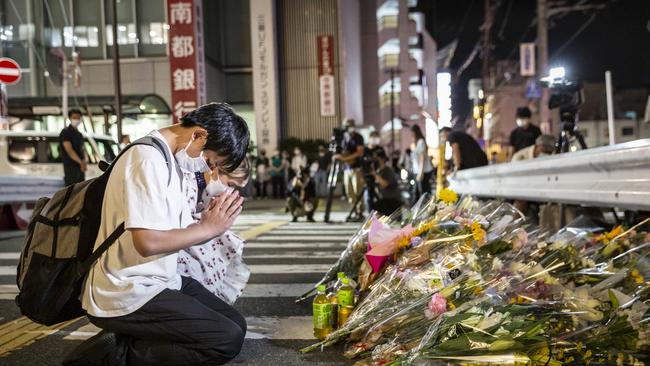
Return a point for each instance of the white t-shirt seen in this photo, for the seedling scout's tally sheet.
(421, 148)
(137, 193)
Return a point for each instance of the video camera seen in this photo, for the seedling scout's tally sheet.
(336, 141)
(567, 97)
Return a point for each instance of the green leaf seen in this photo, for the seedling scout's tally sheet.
(613, 299)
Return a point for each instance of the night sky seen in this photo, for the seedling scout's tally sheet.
(618, 39)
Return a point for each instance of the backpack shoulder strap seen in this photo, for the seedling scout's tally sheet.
(158, 145)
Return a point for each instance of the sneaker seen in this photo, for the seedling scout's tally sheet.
(310, 219)
(295, 219)
(94, 351)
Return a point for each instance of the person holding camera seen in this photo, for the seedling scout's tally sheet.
(302, 201)
(352, 154)
(389, 197)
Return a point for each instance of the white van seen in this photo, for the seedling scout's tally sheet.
(38, 153)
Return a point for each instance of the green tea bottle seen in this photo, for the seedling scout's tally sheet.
(345, 294)
(322, 314)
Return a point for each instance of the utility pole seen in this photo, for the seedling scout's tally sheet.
(392, 108)
(116, 72)
(542, 50)
(485, 69)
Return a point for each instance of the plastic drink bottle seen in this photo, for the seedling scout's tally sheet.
(322, 312)
(344, 314)
(345, 294)
(334, 300)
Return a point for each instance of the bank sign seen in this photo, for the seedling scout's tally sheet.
(186, 57)
(325, 47)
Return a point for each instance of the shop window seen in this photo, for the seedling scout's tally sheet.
(627, 131)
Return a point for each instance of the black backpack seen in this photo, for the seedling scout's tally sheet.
(59, 242)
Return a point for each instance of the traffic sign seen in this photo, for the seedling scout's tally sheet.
(9, 71)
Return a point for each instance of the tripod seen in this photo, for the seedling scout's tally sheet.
(332, 181)
(369, 187)
(569, 131)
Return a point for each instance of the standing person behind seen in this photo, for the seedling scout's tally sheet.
(353, 149)
(421, 163)
(151, 315)
(263, 176)
(525, 134)
(278, 167)
(72, 150)
(389, 198)
(324, 159)
(374, 143)
(466, 152)
(288, 173)
(298, 161)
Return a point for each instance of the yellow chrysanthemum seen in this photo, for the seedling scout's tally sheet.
(478, 233)
(447, 196)
(608, 237)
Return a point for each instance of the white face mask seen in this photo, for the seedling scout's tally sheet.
(374, 141)
(216, 187)
(522, 122)
(189, 163)
(75, 122)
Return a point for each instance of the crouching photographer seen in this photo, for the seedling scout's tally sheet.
(388, 193)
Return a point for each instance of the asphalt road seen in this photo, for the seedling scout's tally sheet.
(285, 259)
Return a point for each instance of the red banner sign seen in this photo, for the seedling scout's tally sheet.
(325, 47)
(186, 55)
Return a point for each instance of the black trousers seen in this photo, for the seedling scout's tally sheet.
(186, 327)
(73, 174)
(278, 186)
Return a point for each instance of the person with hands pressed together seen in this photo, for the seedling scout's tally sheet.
(149, 313)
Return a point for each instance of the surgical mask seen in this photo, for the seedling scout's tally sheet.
(217, 187)
(522, 122)
(189, 163)
(75, 122)
(351, 129)
(374, 141)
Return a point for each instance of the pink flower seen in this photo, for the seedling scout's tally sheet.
(437, 306)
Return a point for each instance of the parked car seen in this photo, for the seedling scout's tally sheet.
(38, 153)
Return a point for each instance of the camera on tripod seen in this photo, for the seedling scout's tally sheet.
(336, 141)
(567, 97)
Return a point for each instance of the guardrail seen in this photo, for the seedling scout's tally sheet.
(612, 176)
(27, 189)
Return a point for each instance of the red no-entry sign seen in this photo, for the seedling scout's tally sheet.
(9, 71)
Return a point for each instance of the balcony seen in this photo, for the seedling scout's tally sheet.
(387, 22)
(389, 61)
(384, 99)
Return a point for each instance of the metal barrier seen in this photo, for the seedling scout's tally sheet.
(612, 176)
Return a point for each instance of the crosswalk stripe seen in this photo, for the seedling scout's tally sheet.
(12, 339)
(277, 328)
(12, 255)
(289, 255)
(7, 270)
(276, 289)
(288, 268)
(304, 245)
(297, 239)
(259, 230)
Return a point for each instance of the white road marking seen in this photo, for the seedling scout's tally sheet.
(266, 238)
(291, 327)
(306, 245)
(288, 268)
(305, 254)
(10, 255)
(7, 270)
(276, 289)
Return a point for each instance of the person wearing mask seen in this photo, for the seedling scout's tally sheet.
(389, 197)
(278, 168)
(544, 145)
(324, 159)
(466, 152)
(525, 134)
(262, 174)
(421, 163)
(126, 139)
(149, 313)
(353, 150)
(298, 161)
(374, 143)
(72, 150)
(288, 172)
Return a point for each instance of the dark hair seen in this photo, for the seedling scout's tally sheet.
(523, 112)
(74, 111)
(445, 129)
(228, 133)
(381, 154)
(417, 132)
